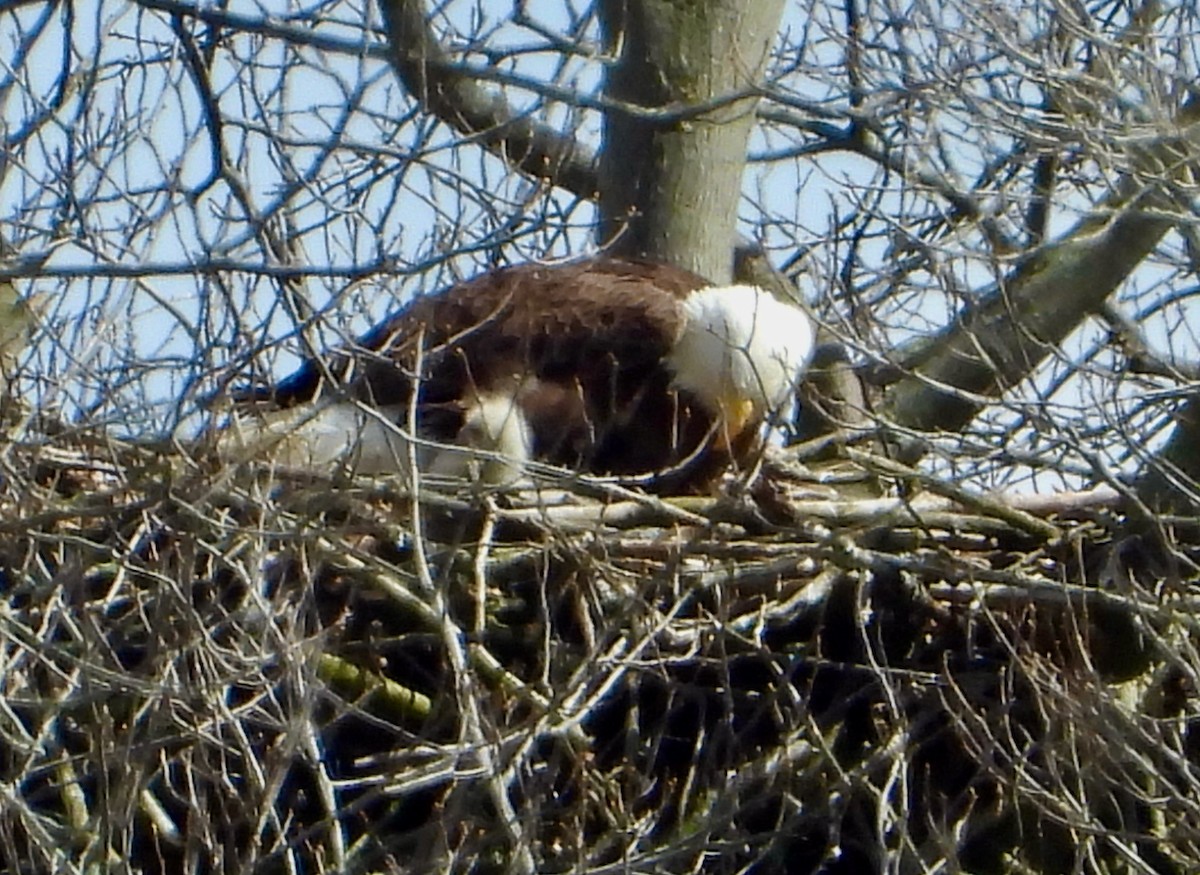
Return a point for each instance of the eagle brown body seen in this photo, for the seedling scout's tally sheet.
(580, 349)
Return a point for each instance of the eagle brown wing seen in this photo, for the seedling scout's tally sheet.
(579, 346)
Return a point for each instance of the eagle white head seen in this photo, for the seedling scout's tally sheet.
(741, 352)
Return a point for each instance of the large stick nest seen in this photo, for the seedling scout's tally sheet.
(213, 670)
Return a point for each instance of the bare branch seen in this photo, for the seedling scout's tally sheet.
(460, 102)
(1000, 340)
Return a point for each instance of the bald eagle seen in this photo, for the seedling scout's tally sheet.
(603, 366)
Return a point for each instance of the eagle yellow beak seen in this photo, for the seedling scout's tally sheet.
(737, 412)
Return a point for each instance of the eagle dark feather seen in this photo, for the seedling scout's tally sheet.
(580, 348)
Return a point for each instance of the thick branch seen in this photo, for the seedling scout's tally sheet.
(16, 324)
(461, 102)
(1005, 337)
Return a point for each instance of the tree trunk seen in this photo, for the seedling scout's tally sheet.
(671, 180)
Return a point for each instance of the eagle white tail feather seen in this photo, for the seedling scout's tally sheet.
(492, 446)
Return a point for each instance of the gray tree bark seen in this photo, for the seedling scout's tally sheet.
(670, 180)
